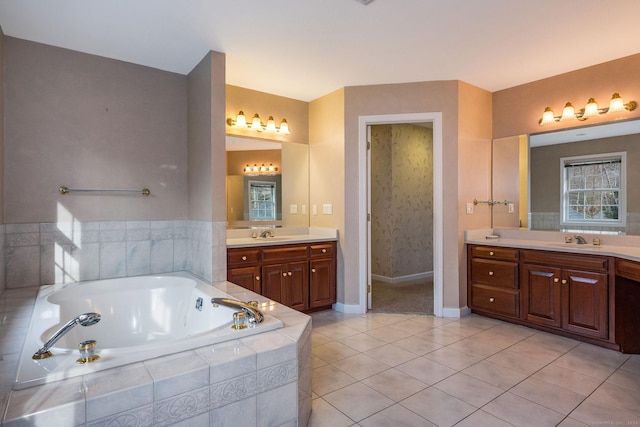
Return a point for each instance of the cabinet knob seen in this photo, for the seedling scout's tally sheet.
(284, 274)
(324, 251)
(491, 253)
(564, 282)
(257, 277)
(556, 280)
(313, 270)
(289, 273)
(244, 258)
(491, 273)
(491, 299)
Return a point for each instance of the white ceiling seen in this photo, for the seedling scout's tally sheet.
(304, 49)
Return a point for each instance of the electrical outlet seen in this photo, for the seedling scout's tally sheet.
(469, 208)
(304, 209)
(293, 209)
(327, 209)
(510, 207)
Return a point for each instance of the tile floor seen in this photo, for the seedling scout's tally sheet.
(407, 370)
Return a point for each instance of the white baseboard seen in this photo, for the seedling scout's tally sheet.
(456, 312)
(400, 279)
(349, 308)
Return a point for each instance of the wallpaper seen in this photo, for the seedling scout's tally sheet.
(401, 200)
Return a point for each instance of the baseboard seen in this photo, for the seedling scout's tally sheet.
(400, 279)
(349, 308)
(456, 312)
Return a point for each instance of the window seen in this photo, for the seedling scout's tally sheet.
(593, 190)
(262, 201)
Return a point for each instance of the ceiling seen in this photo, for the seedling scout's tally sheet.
(304, 49)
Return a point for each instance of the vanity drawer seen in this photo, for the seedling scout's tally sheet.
(322, 250)
(496, 273)
(628, 269)
(242, 257)
(284, 253)
(496, 300)
(566, 260)
(495, 252)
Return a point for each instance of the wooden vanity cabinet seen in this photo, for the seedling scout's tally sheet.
(493, 278)
(627, 303)
(300, 276)
(566, 291)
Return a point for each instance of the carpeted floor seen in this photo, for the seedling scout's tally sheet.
(406, 297)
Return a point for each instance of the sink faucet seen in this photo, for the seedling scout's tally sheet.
(580, 240)
(255, 316)
(266, 233)
(86, 319)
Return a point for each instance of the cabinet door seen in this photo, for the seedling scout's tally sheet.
(247, 277)
(273, 277)
(541, 294)
(295, 285)
(322, 283)
(584, 296)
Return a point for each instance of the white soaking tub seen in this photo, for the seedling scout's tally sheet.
(141, 318)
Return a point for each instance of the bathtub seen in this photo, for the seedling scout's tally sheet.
(141, 318)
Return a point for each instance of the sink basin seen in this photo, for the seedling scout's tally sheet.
(573, 245)
(273, 239)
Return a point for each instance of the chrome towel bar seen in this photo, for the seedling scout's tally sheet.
(67, 190)
(491, 202)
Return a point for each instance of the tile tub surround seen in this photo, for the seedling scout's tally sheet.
(47, 253)
(260, 380)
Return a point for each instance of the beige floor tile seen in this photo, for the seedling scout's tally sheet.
(336, 331)
(325, 415)
(600, 355)
(440, 336)
(463, 328)
(536, 351)
(425, 370)
(438, 407)
(594, 413)
(618, 397)
(328, 378)
(360, 366)
(391, 354)
(418, 345)
(451, 358)
(570, 422)
(482, 419)
(362, 342)
(517, 362)
(358, 401)
(394, 384)
(578, 363)
(477, 347)
(389, 333)
(522, 412)
(568, 379)
(317, 339)
(333, 351)
(548, 395)
(499, 376)
(469, 389)
(396, 416)
(551, 341)
(632, 364)
(316, 362)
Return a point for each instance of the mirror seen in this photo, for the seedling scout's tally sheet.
(274, 192)
(543, 170)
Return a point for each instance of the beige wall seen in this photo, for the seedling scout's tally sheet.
(266, 104)
(2, 234)
(401, 200)
(517, 110)
(85, 121)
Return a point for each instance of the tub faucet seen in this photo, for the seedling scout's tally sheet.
(254, 315)
(86, 319)
(580, 240)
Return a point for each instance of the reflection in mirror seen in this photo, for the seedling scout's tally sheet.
(267, 183)
(546, 176)
(509, 158)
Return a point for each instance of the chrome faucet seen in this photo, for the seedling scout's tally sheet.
(86, 319)
(255, 316)
(580, 240)
(266, 233)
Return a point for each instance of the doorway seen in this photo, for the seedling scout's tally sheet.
(364, 207)
(401, 200)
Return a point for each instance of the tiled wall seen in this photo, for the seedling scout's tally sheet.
(551, 221)
(47, 253)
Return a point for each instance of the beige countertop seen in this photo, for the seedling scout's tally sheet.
(283, 236)
(626, 247)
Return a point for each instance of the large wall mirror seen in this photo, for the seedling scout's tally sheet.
(267, 183)
(578, 179)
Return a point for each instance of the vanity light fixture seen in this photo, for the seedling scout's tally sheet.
(256, 124)
(590, 110)
(255, 169)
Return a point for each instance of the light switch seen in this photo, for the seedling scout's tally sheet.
(327, 209)
(511, 208)
(293, 209)
(304, 209)
(469, 208)
(314, 209)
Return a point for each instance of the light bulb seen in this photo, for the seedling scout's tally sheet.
(616, 104)
(256, 123)
(271, 124)
(284, 127)
(547, 117)
(591, 109)
(241, 120)
(568, 112)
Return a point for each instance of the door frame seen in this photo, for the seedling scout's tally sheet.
(364, 202)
